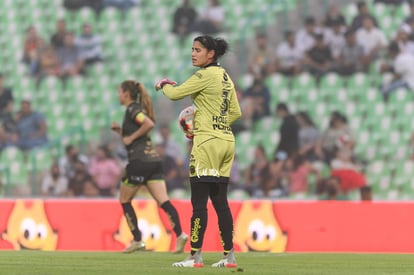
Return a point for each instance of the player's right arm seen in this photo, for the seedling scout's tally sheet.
(194, 84)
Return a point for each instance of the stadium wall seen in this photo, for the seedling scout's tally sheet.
(283, 226)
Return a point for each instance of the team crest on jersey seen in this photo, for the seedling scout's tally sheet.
(199, 75)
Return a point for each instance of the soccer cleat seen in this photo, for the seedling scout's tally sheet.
(181, 241)
(228, 261)
(135, 246)
(191, 261)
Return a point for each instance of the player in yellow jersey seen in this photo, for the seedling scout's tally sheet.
(216, 108)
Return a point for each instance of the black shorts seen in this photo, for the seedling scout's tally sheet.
(140, 172)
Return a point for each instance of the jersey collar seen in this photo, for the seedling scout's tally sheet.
(212, 64)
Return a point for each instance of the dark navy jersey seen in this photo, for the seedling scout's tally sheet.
(141, 148)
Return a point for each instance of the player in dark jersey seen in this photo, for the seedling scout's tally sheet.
(144, 164)
(216, 108)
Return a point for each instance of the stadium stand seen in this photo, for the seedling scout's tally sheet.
(139, 43)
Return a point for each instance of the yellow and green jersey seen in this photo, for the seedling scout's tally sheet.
(215, 100)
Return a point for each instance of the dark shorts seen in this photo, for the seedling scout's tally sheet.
(140, 172)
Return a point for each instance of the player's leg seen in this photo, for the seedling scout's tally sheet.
(128, 190)
(158, 191)
(126, 195)
(218, 196)
(199, 197)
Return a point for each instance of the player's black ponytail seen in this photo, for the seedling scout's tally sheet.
(219, 45)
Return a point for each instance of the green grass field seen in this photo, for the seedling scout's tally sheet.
(38, 262)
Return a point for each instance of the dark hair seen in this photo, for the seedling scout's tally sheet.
(287, 33)
(349, 32)
(261, 148)
(393, 47)
(310, 20)
(306, 117)
(219, 45)
(105, 149)
(138, 93)
(361, 4)
(282, 107)
(69, 148)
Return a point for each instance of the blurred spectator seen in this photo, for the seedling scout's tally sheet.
(211, 18)
(172, 175)
(366, 193)
(389, 2)
(403, 39)
(346, 171)
(78, 180)
(70, 60)
(89, 45)
(31, 127)
(289, 133)
(8, 127)
(171, 147)
(57, 40)
(299, 171)
(90, 189)
(257, 175)
(256, 102)
(330, 189)
(75, 5)
(123, 5)
(48, 63)
(372, 39)
(363, 13)
(334, 38)
(334, 15)
(54, 183)
(410, 17)
(33, 43)
(259, 63)
(351, 58)
(305, 37)
(403, 71)
(337, 135)
(318, 60)
(308, 136)
(105, 171)
(6, 96)
(288, 56)
(184, 18)
(68, 161)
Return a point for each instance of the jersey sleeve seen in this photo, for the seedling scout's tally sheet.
(136, 114)
(234, 110)
(193, 85)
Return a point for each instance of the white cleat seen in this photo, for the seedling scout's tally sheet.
(181, 241)
(135, 246)
(228, 261)
(191, 261)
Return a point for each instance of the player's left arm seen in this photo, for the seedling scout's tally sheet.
(146, 124)
(191, 86)
(234, 108)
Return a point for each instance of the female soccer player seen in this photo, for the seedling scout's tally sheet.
(145, 165)
(214, 98)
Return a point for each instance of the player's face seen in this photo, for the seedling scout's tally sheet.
(200, 56)
(121, 96)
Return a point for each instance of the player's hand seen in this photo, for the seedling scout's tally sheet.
(162, 82)
(127, 140)
(115, 127)
(189, 136)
